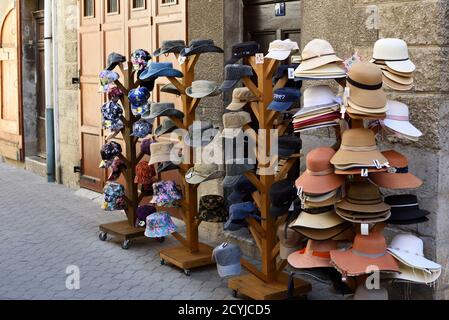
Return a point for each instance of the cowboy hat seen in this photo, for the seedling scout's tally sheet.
(405, 210)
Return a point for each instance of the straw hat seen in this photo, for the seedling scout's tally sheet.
(315, 255)
(363, 197)
(317, 53)
(398, 119)
(323, 234)
(320, 219)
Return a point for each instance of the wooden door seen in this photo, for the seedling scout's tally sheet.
(40, 90)
(11, 138)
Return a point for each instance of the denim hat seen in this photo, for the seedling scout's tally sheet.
(139, 59)
(203, 88)
(166, 127)
(139, 96)
(166, 166)
(284, 98)
(143, 212)
(165, 110)
(160, 69)
(200, 46)
(233, 74)
(115, 94)
(282, 195)
(201, 133)
(171, 89)
(170, 46)
(114, 59)
(111, 111)
(227, 256)
(160, 225)
(142, 128)
(235, 170)
(110, 150)
(107, 78)
(114, 197)
(289, 145)
(242, 189)
(238, 213)
(117, 166)
(242, 50)
(212, 209)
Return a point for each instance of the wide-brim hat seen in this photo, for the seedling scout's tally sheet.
(405, 81)
(166, 166)
(315, 255)
(395, 85)
(167, 113)
(374, 99)
(197, 47)
(357, 170)
(364, 110)
(363, 218)
(323, 234)
(175, 46)
(323, 203)
(402, 127)
(319, 184)
(358, 115)
(414, 275)
(401, 66)
(151, 73)
(364, 208)
(171, 89)
(413, 260)
(317, 62)
(396, 181)
(325, 220)
(212, 91)
(358, 158)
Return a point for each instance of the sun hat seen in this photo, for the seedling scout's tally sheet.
(242, 50)
(317, 218)
(281, 49)
(167, 126)
(115, 94)
(143, 212)
(118, 166)
(233, 123)
(114, 197)
(363, 197)
(399, 80)
(110, 150)
(315, 255)
(405, 210)
(114, 59)
(139, 59)
(233, 74)
(395, 85)
(142, 128)
(363, 218)
(242, 189)
(329, 71)
(365, 83)
(288, 146)
(139, 96)
(203, 88)
(398, 175)
(323, 234)
(212, 209)
(360, 115)
(166, 194)
(200, 46)
(317, 53)
(238, 213)
(145, 173)
(284, 99)
(235, 170)
(366, 251)
(241, 97)
(289, 241)
(282, 195)
(394, 52)
(203, 172)
(318, 96)
(200, 133)
(160, 225)
(165, 110)
(413, 275)
(170, 46)
(166, 166)
(161, 152)
(227, 256)
(358, 147)
(398, 119)
(364, 294)
(160, 69)
(324, 200)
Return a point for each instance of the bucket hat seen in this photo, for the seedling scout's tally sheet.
(242, 50)
(212, 209)
(282, 195)
(165, 110)
(405, 210)
(238, 213)
(363, 197)
(281, 49)
(317, 218)
(143, 212)
(114, 197)
(145, 173)
(317, 53)
(288, 146)
(114, 59)
(284, 99)
(200, 46)
(362, 293)
(242, 189)
(233, 123)
(166, 194)
(161, 152)
(289, 241)
(167, 126)
(366, 251)
(160, 225)
(147, 190)
(110, 150)
(139, 96)
(115, 94)
(142, 128)
(241, 97)
(166, 166)
(398, 175)
(170, 46)
(319, 177)
(200, 133)
(227, 256)
(203, 172)
(365, 84)
(394, 52)
(117, 167)
(235, 170)
(160, 69)
(316, 97)
(111, 111)
(171, 89)
(203, 88)
(233, 74)
(358, 148)
(140, 59)
(398, 120)
(315, 255)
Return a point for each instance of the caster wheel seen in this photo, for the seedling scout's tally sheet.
(125, 245)
(187, 272)
(162, 262)
(103, 236)
(234, 293)
(160, 240)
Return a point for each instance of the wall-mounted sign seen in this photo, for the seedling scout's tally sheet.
(279, 9)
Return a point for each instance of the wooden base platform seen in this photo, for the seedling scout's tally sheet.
(254, 288)
(183, 259)
(121, 230)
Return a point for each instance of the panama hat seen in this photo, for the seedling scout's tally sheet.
(363, 197)
(405, 210)
(315, 255)
(398, 119)
(317, 53)
(281, 49)
(203, 172)
(289, 241)
(395, 54)
(203, 88)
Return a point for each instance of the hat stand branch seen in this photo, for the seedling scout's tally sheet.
(268, 282)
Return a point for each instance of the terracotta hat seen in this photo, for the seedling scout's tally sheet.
(144, 173)
(319, 177)
(365, 84)
(363, 197)
(398, 176)
(317, 53)
(358, 148)
(290, 241)
(367, 251)
(240, 97)
(315, 255)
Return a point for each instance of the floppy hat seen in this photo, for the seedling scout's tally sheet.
(166, 127)
(233, 74)
(171, 89)
(398, 175)
(107, 79)
(160, 69)
(242, 50)
(366, 251)
(282, 195)
(170, 46)
(363, 218)
(284, 99)
(240, 97)
(315, 255)
(317, 218)
(358, 147)
(235, 170)
(414, 275)
(363, 197)
(203, 88)
(143, 212)
(161, 152)
(405, 210)
(164, 110)
(288, 146)
(160, 225)
(398, 119)
(115, 94)
(394, 52)
(238, 213)
(212, 209)
(317, 53)
(201, 133)
(200, 46)
(227, 256)
(281, 49)
(233, 123)
(289, 241)
(323, 234)
(114, 59)
(362, 293)
(166, 166)
(365, 83)
(139, 59)
(203, 172)
(144, 173)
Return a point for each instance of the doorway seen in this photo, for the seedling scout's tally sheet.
(40, 83)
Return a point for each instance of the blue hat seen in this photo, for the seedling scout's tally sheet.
(142, 128)
(139, 97)
(242, 189)
(284, 98)
(238, 213)
(160, 69)
(227, 256)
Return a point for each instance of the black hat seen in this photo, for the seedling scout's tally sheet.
(171, 89)
(282, 194)
(114, 59)
(200, 46)
(244, 49)
(166, 166)
(405, 210)
(242, 189)
(289, 145)
(170, 46)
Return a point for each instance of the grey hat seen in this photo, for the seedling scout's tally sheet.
(233, 74)
(201, 133)
(114, 59)
(200, 46)
(203, 88)
(170, 46)
(171, 89)
(227, 256)
(166, 127)
(166, 166)
(235, 170)
(164, 110)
